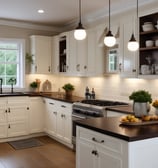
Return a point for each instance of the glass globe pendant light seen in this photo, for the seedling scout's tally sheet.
(80, 32)
(133, 45)
(109, 39)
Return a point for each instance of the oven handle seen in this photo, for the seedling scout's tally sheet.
(76, 116)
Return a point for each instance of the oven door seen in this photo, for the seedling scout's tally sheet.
(75, 117)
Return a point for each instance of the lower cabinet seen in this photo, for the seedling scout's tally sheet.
(95, 150)
(58, 119)
(14, 113)
(36, 118)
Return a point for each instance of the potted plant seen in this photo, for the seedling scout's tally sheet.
(29, 58)
(69, 88)
(141, 100)
(34, 85)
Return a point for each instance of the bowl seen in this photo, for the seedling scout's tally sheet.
(148, 26)
(149, 43)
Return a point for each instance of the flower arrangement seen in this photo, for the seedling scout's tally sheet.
(155, 104)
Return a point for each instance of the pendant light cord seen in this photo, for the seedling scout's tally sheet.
(109, 15)
(137, 9)
(80, 11)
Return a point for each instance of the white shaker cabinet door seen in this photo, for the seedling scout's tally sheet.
(41, 49)
(36, 117)
(84, 156)
(128, 59)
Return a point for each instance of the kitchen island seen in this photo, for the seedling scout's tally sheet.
(105, 143)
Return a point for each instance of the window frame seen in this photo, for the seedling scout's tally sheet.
(21, 67)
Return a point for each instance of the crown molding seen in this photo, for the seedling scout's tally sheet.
(33, 26)
(102, 14)
(87, 20)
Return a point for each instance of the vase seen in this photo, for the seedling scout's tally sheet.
(141, 109)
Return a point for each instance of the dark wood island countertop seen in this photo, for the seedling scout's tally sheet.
(111, 126)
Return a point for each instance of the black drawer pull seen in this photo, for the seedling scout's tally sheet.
(51, 103)
(95, 140)
(63, 106)
(94, 152)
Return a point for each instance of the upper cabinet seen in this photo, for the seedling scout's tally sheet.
(55, 54)
(60, 53)
(41, 49)
(63, 52)
(78, 58)
(127, 59)
(96, 52)
(112, 53)
(148, 35)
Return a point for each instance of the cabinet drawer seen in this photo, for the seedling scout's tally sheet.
(101, 140)
(66, 107)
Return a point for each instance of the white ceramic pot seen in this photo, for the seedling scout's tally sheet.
(141, 109)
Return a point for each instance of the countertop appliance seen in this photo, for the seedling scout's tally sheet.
(90, 109)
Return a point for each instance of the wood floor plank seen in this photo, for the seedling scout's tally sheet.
(51, 155)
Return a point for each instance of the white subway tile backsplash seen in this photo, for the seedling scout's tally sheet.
(106, 87)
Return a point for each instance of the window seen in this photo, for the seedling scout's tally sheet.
(12, 62)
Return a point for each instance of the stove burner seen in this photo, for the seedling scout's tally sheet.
(103, 102)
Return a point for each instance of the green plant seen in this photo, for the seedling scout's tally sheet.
(29, 58)
(141, 96)
(34, 84)
(68, 87)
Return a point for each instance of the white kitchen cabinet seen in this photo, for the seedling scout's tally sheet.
(3, 118)
(64, 52)
(3, 110)
(77, 56)
(128, 59)
(3, 130)
(58, 119)
(17, 116)
(17, 128)
(41, 49)
(96, 52)
(36, 117)
(55, 54)
(14, 113)
(64, 122)
(51, 116)
(95, 150)
(86, 56)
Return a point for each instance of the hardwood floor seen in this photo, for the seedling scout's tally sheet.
(51, 155)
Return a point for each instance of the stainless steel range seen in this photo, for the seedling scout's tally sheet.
(90, 109)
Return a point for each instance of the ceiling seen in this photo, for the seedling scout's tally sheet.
(58, 12)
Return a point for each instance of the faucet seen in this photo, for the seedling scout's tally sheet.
(12, 81)
(1, 82)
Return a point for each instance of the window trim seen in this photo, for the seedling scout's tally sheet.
(21, 70)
